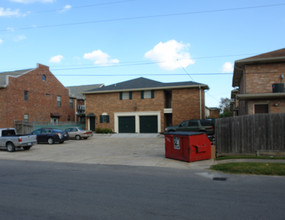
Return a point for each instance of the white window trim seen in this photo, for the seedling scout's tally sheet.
(137, 119)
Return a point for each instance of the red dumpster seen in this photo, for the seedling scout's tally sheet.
(187, 146)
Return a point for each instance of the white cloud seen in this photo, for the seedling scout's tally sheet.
(9, 13)
(20, 38)
(170, 55)
(228, 67)
(1, 41)
(32, 1)
(65, 8)
(100, 58)
(56, 59)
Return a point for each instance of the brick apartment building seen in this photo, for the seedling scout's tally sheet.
(260, 82)
(77, 93)
(33, 95)
(144, 106)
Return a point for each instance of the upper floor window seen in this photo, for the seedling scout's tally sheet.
(26, 95)
(71, 103)
(58, 101)
(125, 95)
(44, 77)
(149, 94)
(26, 117)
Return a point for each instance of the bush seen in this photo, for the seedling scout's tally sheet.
(103, 130)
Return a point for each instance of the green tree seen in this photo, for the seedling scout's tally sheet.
(225, 106)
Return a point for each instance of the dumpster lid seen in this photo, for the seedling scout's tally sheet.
(184, 133)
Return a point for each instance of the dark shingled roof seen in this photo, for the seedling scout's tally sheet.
(272, 54)
(144, 83)
(275, 56)
(76, 91)
(3, 75)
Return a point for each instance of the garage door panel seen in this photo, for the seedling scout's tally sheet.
(148, 124)
(127, 124)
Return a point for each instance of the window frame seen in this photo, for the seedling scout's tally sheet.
(26, 95)
(58, 101)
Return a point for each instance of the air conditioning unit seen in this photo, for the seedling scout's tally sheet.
(277, 87)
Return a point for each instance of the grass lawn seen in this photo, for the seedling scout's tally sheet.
(249, 157)
(252, 168)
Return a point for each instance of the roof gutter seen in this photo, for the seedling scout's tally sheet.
(154, 88)
(261, 96)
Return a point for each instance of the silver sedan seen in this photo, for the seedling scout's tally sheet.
(78, 133)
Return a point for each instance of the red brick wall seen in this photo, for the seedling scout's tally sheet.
(42, 98)
(259, 78)
(185, 105)
(110, 103)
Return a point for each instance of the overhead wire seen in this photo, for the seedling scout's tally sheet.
(145, 17)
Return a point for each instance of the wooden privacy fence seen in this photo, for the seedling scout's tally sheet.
(250, 134)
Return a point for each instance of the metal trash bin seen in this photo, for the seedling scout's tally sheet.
(187, 146)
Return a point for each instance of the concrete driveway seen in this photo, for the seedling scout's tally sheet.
(115, 149)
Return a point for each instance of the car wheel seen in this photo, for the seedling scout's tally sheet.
(50, 140)
(10, 147)
(77, 137)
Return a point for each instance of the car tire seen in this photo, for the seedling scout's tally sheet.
(10, 147)
(77, 137)
(50, 140)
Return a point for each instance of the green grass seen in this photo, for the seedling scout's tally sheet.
(249, 157)
(252, 168)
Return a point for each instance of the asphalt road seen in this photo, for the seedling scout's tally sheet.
(51, 190)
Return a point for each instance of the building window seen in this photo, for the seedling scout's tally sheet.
(71, 103)
(125, 95)
(44, 77)
(104, 118)
(261, 108)
(149, 94)
(58, 101)
(26, 117)
(68, 118)
(26, 95)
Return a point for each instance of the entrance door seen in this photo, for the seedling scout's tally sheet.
(92, 123)
(127, 124)
(148, 124)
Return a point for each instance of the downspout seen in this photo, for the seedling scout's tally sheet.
(200, 98)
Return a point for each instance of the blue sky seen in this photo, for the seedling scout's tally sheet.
(91, 41)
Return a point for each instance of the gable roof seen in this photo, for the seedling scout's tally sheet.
(144, 84)
(4, 76)
(275, 56)
(76, 91)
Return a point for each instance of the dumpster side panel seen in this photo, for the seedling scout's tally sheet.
(200, 147)
(176, 147)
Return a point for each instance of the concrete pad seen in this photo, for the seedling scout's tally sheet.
(110, 149)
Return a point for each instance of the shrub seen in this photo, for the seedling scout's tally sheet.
(103, 130)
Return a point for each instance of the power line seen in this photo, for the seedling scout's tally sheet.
(146, 74)
(147, 17)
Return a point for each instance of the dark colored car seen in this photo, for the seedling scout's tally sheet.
(50, 135)
(200, 125)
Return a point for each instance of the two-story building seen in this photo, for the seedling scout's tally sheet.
(144, 106)
(260, 84)
(33, 95)
(77, 93)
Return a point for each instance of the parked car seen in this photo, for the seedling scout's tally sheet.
(201, 125)
(50, 135)
(10, 140)
(78, 133)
